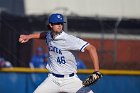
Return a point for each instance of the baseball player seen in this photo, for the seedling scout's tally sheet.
(62, 67)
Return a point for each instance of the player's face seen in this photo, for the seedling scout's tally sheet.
(57, 27)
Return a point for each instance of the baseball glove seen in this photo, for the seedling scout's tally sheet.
(92, 78)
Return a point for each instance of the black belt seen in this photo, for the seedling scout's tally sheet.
(62, 76)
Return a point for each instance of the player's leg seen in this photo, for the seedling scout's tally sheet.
(74, 85)
(47, 86)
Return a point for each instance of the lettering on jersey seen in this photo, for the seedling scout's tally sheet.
(60, 58)
(55, 49)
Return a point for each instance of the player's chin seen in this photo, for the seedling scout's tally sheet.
(59, 30)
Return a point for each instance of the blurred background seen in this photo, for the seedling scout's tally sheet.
(112, 26)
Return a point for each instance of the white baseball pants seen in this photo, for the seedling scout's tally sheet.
(54, 84)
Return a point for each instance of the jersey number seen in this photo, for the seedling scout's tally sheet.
(61, 60)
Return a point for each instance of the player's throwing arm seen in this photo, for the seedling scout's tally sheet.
(26, 38)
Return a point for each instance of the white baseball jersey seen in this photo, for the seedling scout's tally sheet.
(62, 60)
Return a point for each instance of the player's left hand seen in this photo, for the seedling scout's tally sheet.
(92, 78)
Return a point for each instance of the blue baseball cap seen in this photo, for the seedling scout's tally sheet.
(56, 18)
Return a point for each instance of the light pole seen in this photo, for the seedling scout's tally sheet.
(0, 19)
(100, 19)
(116, 38)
